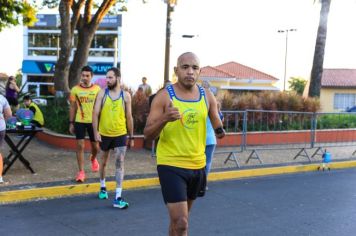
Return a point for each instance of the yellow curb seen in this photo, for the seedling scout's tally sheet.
(69, 190)
(275, 170)
(79, 189)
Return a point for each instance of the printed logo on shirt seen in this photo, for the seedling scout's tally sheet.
(189, 118)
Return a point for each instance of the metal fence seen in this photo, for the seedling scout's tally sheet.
(234, 123)
(257, 130)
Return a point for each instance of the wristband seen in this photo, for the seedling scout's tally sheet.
(71, 122)
(219, 130)
(132, 138)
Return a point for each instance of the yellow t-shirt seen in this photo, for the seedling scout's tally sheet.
(38, 114)
(85, 99)
(182, 142)
(112, 121)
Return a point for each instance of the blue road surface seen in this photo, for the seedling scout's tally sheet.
(314, 203)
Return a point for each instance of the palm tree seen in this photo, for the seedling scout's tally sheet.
(318, 61)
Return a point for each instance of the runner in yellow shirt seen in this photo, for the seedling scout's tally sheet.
(82, 99)
(112, 122)
(178, 116)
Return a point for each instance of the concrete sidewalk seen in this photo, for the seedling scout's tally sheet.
(55, 170)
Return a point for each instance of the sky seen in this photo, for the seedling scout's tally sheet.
(226, 30)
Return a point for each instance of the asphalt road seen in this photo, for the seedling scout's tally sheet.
(315, 203)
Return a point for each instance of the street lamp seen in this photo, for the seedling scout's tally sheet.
(188, 36)
(285, 55)
(170, 9)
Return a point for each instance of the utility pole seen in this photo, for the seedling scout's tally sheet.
(285, 55)
(170, 9)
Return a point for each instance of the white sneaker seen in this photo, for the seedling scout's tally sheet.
(1, 180)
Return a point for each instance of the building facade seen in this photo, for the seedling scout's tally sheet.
(235, 77)
(338, 90)
(41, 50)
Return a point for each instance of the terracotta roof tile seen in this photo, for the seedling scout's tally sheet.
(338, 78)
(210, 71)
(244, 72)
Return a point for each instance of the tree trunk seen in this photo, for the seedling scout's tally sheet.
(85, 37)
(62, 66)
(318, 61)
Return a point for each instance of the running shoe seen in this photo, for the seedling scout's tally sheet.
(103, 194)
(80, 176)
(3, 182)
(94, 165)
(120, 203)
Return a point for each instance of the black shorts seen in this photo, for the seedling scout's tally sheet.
(108, 143)
(179, 184)
(80, 128)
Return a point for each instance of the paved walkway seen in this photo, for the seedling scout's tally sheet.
(315, 203)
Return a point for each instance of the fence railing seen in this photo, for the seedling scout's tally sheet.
(256, 130)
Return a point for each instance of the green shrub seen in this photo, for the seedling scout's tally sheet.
(336, 121)
(266, 100)
(56, 115)
(311, 105)
(226, 100)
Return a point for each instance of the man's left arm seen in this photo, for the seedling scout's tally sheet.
(214, 115)
(129, 119)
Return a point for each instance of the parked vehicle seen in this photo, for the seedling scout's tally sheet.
(351, 109)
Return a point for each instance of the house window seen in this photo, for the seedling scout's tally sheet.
(342, 101)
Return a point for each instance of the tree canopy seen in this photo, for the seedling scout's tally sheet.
(297, 85)
(13, 13)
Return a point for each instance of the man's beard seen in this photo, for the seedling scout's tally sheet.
(112, 86)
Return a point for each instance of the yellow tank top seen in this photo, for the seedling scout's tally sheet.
(38, 114)
(112, 121)
(182, 142)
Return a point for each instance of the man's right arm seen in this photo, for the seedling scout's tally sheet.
(96, 114)
(72, 113)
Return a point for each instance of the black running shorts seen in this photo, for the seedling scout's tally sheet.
(108, 143)
(179, 184)
(80, 128)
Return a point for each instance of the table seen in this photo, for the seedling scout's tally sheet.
(17, 149)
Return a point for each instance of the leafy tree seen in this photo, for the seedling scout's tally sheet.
(77, 15)
(297, 85)
(12, 11)
(318, 61)
(86, 25)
